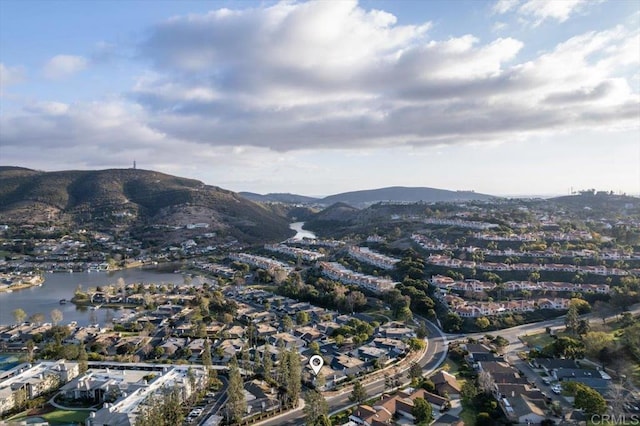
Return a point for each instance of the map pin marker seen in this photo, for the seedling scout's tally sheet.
(316, 362)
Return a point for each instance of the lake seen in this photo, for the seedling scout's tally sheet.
(301, 233)
(62, 285)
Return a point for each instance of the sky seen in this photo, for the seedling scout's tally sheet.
(506, 97)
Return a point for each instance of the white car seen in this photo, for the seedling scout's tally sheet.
(557, 389)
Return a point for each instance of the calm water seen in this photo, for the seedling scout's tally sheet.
(61, 285)
(301, 233)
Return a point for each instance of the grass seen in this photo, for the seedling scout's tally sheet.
(65, 417)
(450, 366)
(537, 341)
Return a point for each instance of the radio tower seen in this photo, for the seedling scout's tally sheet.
(134, 164)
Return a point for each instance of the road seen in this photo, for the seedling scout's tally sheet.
(512, 334)
(431, 359)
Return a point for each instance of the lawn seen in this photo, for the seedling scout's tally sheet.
(65, 417)
(450, 366)
(537, 341)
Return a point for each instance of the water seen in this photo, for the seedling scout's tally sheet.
(62, 285)
(301, 233)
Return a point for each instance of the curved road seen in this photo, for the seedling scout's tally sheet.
(433, 356)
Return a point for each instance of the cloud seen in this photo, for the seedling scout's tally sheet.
(538, 11)
(10, 76)
(504, 6)
(63, 66)
(295, 77)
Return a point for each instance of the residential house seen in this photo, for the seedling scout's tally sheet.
(446, 384)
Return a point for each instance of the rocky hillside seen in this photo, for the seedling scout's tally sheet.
(132, 200)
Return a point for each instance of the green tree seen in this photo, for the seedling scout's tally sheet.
(19, 315)
(236, 402)
(359, 393)
(314, 347)
(294, 377)
(206, 354)
(267, 362)
(583, 327)
(415, 371)
(469, 391)
(482, 322)
(586, 398)
(416, 344)
(162, 410)
(302, 318)
(83, 358)
(422, 411)
(287, 323)
(315, 407)
(571, 320)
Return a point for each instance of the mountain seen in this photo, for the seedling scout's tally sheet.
(368, 197)
(279, 198)
(402, 194)
(136, 201)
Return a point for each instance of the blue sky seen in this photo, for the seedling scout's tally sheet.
(508, 97)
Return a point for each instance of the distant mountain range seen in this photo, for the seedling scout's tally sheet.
(135, 201)
(371, 196)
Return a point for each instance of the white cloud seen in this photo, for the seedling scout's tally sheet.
(504, 6)
(297, 77)
(10, 75)
(541, 10)
(62, 66)
(537, 11)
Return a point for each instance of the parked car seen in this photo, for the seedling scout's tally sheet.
(557, 389)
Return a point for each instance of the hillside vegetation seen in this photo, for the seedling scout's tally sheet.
(132, 199)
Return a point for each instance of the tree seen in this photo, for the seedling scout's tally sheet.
(314, 347)
(484, 419)
(482, 323)
(469, 391)
(315, 407)
(359, 393)
(37, 318)
(294, 376)
(583, 327)
(206, 354)
(415, 371)
(30, 348)
(485, 382)
(421, 330)
(267, 362)
(595, 341)
(158, 352)
(452, 323)
(571, 320)
(416, 344)
(83, 358)
(422, 411)
(56, 316)
(287, 323)
(236, 402)
(302, 318)
(162, 410)
(320, 381)
(19, 315)
(586, 398)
